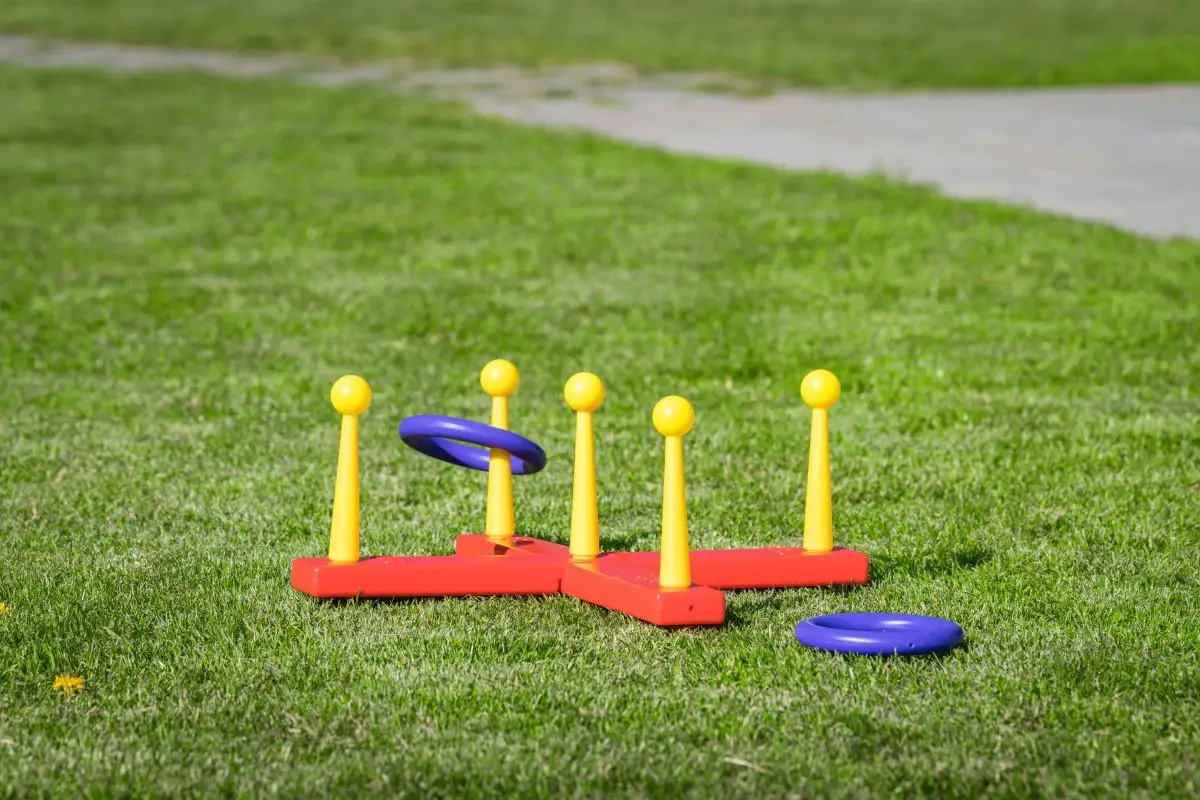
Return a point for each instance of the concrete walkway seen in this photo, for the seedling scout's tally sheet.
(1127, 156)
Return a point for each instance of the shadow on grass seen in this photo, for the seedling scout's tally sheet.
(964, 648)
(929, 563)
(770, 601)
(441, 598)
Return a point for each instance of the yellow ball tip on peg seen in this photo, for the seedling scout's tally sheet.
(820, 389)
(673, 416)
(350, 395)
(500, 378)
(584, 392)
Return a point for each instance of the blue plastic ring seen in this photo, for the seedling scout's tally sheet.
(439, 437)
(879, 634)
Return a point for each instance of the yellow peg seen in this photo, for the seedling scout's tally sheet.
(673, 417)
(500, 380)
(820, 390)
(584, 393)
(351, 396)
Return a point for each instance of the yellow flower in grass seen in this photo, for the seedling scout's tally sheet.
(68, 684)
(3, 609)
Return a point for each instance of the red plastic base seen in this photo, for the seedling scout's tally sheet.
(623, 586)
(758, 568)
(626, 582)
(766, 567)
(476, 544)
(426, 576)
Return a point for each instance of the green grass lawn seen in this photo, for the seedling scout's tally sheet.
(187, 265)
(859, 44)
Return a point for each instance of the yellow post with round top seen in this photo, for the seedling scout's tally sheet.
(500, 379)
(673, 417)
(820, 390)
(351, 396)
(584, 393)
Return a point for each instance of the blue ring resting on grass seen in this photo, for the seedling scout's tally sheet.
(439, 437)
(879, 634)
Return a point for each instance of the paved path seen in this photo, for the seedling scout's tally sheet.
(1128, 156)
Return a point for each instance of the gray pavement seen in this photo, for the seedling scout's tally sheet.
(1125, 156)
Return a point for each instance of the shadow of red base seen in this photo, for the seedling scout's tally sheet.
(626, 582)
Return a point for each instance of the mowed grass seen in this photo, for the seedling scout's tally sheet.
(856, 44)
(188, 265)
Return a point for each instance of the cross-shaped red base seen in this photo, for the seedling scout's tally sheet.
(626, 582)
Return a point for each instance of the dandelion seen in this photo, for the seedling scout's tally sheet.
(3, 609)
(68, 684)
